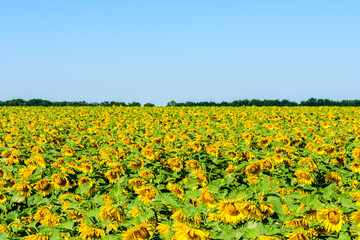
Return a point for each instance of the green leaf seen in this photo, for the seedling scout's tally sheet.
(344, 236)
(3, 236)
(92, 213)
(69, 224)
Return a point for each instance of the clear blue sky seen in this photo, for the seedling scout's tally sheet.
(185, 50)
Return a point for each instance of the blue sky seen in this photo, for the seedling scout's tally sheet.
(158, 51)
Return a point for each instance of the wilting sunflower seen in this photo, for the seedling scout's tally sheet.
(146, 194)
(331, 219)
(230, 212)
(3, 229)
(25, 172)
(178, 215)
(176, 189)
(251, 211)
(110, 213)
(84, 180)
(138, 164)
(333, 178)
(136, 183)
(112, 175)
(2, 198)
(44, 187)
(36, 237)
(175, 164)
(192, 164)
(50, 220)
(2, 173)
(89, 233)
(200, 177)
(298, 222)
(185, 232)
(355, 218)
(253, 169)
(297, 235)
(146, 174)
(139, 232)
(163, 229)
(303, 176)
(59, 181)
(207, 198)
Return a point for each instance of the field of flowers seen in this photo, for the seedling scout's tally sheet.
(179, 173)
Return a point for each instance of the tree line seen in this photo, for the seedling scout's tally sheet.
(237, 103)
(47, 103)
(265, 102)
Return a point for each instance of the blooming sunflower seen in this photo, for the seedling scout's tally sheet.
(251, 211)
(23, 189)
(2, 198)
(138, 164)
(112, 175)
(298, 222)
(207, 198)
(44, 187)
(139, 232)
(163, 229)
(185, 232)
(331, 219)
(145, 174)
(192, 164)
(200, 177)
(355, 167)
(230, 212)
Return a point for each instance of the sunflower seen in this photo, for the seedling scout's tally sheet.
(230, 212)
(44, 187)
(41, 213)
(333, 178)
(176, 189)
(298, 222)
(3, 229)
(25, 172)
(207, 198)
(146, 174)
(355, 167)
(297, 235)
(192, 164)
(36, 237)
(355, 218)
(178, 215)
(303, 176)
(146, 194)
(253, 169)
(231, 168)
(200, 177)
(59, 181)
(139, 232)
(136, 183)
(112, 175)
(184, 232)
(84, 180)
(2, 198)
(23, 189)
(174, 164)
(89, 233)
(50, 220)
(251, 211)
(331, 219)
(356, 153)
(267, 164)
(2, 173)
(138, 164)
(265, 237)
(107, 199)
(110, 213)
(163, 229)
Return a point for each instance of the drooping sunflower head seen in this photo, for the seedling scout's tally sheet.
(253, 169)
(355, 218)
(176, 189)
(185, 232)
(87, 232)
(303, 176)
(139, 232)
(333, 178)
(207, 198)
(230, 212)
(297, 235)
(112, 175)
(59, 181)
(192, 164)
(44, 187)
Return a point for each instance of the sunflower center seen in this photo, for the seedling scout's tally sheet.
(231, 209)
(334, 217)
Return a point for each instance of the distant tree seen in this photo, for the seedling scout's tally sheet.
(134, 104)
(171, 104)
(149, 105)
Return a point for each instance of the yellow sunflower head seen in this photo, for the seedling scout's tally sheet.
(331, 219)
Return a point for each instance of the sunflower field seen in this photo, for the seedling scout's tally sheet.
(131, 173)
